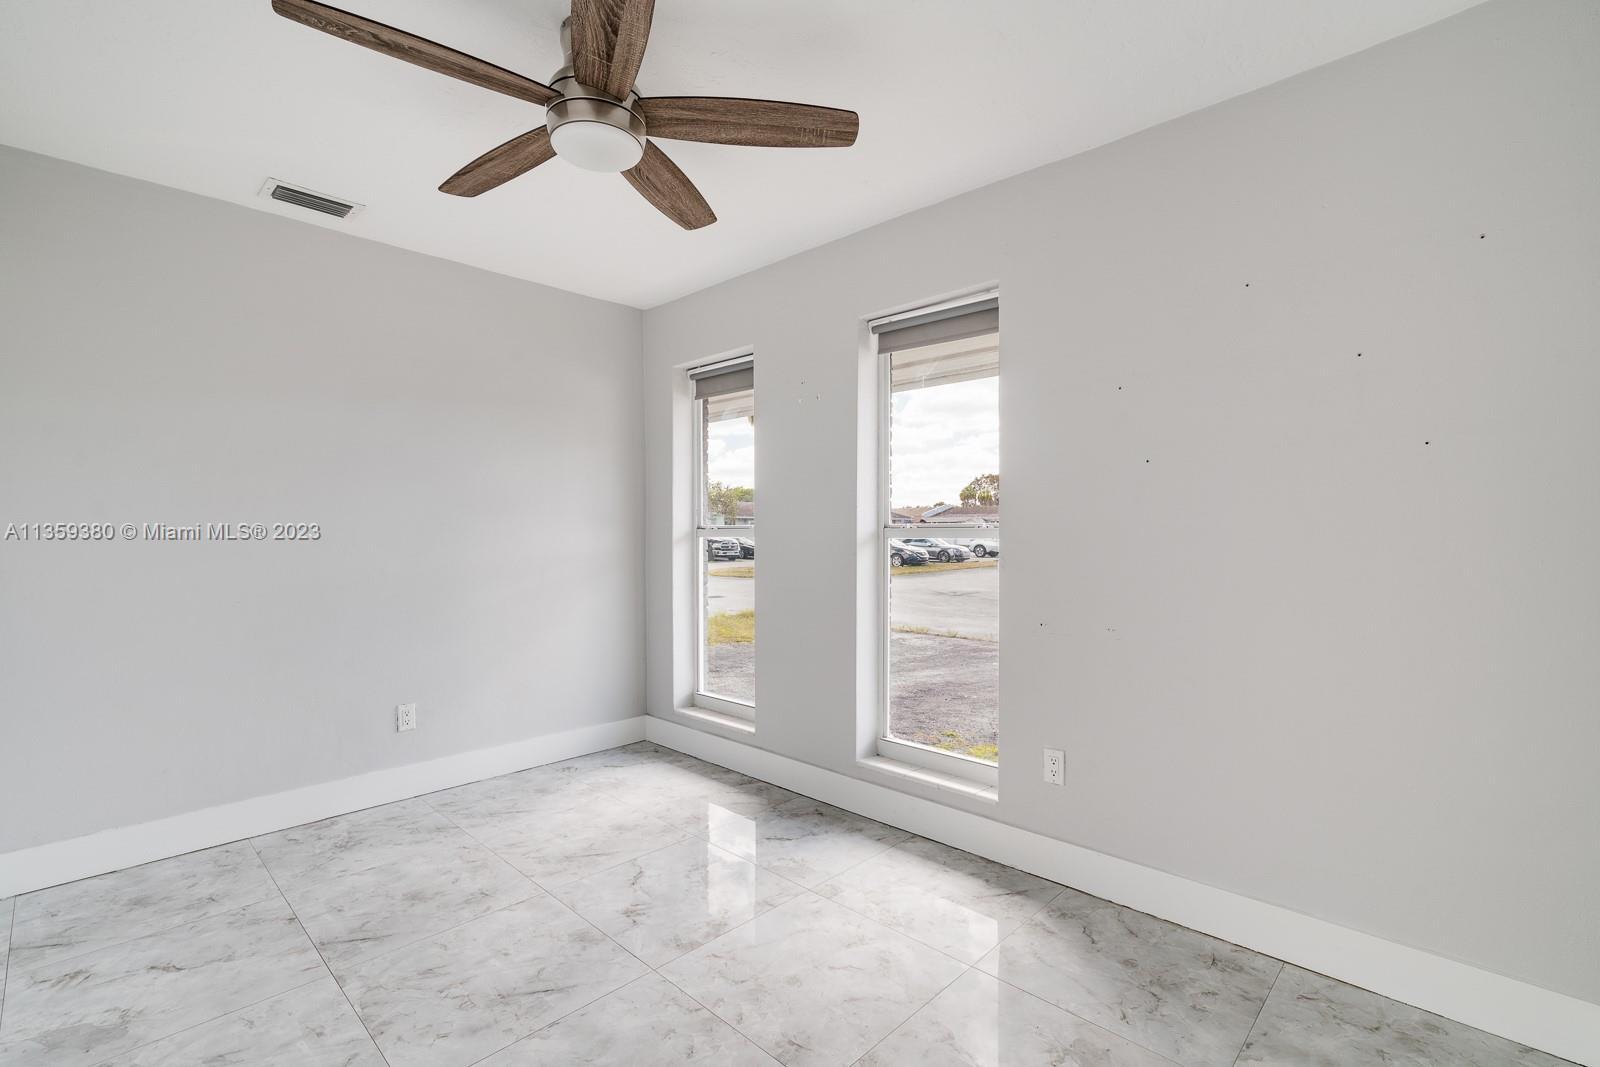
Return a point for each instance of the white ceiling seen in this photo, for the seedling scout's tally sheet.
(213, 96)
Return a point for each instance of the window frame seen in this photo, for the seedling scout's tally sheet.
(927, 757)
(699, 531)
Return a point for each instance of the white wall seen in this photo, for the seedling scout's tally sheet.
(469, 443)
(1315, 627)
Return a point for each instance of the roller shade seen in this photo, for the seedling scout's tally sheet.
(723, 378)
(939, 326)
(965, 360)
(942, 346)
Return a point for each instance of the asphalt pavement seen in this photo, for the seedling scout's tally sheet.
(965, 602)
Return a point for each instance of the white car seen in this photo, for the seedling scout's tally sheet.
(982, 547)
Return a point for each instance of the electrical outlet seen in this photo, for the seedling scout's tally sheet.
(1055, 766)
(405, 717)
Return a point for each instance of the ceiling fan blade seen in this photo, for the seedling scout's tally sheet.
(413, 49)
(659, 181)
(591, 40)
(737, 120)
(608, 42)
(499, 165)
(627, 49)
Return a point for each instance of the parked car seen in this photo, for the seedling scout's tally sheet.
(939, 549)
(721, 548)
(747, 548)
(983, 547)
(903, 555)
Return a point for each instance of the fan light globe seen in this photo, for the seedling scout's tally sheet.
(596, 146)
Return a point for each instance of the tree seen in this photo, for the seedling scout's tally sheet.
(724, 500)
(983, 490)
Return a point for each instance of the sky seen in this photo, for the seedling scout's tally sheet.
(731, 452)
(943, 437)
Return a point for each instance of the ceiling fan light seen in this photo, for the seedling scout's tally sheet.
(595, 145)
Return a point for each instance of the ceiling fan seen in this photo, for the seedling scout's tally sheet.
(594, 115)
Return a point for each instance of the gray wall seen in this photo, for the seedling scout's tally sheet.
(469, 443)
(1334, 645)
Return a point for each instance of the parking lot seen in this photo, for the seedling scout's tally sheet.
(944, 650)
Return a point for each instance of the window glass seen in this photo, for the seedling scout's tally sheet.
(728, 605)
(942, 538)
(726, 557)
(729, 471)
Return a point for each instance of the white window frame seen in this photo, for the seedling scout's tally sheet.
(927, 757)
(700, 531)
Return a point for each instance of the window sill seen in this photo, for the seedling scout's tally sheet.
(718, 719)
(950, 783)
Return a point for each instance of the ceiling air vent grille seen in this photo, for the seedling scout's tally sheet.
(293, 194)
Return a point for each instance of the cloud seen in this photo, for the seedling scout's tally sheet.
(941, 438)
(731, 452)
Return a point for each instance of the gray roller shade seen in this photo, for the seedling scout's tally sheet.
(723, 378)
(939, 326)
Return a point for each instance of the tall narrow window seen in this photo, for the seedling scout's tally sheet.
(941, 536)
(725, 514)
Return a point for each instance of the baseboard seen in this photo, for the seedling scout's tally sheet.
(1539, 1018)
(33, 868)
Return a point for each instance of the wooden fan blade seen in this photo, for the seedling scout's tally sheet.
(627, 49)
(591, 40)
(413, 49)
(608, 42)
(499, 165)
(659, 181)
(737, 120)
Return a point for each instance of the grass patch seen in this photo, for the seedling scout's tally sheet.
(939, 568)
(951, 741)
(731, 628)
(747, 570)
(929, 631)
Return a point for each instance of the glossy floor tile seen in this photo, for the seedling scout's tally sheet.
(312, 1026)
(369, 912)
(804, 840)
(481, 804)
(980, 1021)
(722, 804)
(346, 844)
(566, 843)
(91, 1007)
(453, 999)
(1312, 1021)
(813, 983)
(675, 899)
(1187, 996)
(69, 920)
(959, 903)
(641, 908)
(6, 910)
(647, 1023)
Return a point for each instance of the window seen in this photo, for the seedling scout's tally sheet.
(725, 547)
(940, 556)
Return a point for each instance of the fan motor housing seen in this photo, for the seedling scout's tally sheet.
(621, 139)
(590, 127)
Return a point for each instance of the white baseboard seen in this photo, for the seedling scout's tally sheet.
(33, 868)
(1539, 1018)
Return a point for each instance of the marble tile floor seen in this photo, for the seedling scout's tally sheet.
(640, 907)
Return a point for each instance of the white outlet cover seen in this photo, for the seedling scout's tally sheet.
(1055, 765)
(405, 717)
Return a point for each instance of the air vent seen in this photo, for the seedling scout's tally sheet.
(293, 194)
